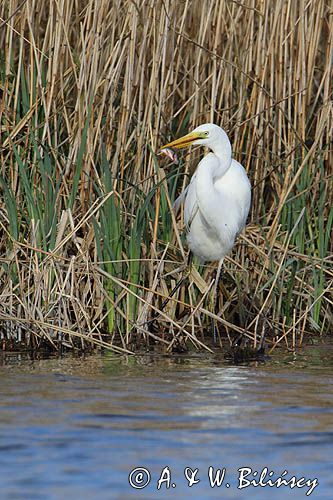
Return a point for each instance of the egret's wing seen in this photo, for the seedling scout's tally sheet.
(234, 190)
(179, 201)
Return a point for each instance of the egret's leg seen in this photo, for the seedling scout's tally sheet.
(175, 288)
(181, 281)
(173, 291)
(215, 300)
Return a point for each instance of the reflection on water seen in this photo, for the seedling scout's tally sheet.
(79, 426)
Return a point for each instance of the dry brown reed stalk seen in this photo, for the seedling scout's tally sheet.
(89, 245)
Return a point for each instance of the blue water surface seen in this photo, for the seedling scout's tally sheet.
(77, 428)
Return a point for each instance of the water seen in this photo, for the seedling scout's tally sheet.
(78, 427)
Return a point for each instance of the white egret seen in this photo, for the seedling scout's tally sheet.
(218, 198)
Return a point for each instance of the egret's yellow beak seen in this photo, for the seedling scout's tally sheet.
(185, 141)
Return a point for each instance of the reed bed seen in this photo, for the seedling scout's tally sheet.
(89, 245)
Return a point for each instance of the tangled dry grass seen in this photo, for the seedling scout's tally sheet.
(89, 246)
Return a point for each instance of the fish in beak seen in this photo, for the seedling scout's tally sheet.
(170, 153)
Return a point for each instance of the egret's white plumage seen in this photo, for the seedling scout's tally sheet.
(217, 201)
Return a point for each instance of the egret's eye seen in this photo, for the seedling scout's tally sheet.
(206, 133)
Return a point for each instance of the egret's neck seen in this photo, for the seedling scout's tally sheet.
(222, 149)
